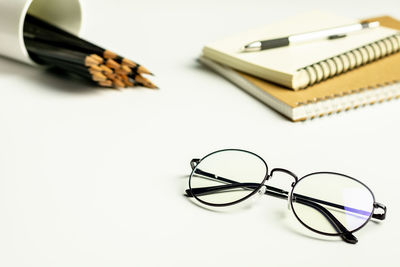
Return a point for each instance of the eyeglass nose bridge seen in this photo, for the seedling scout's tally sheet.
(284, 171)
(294, 176)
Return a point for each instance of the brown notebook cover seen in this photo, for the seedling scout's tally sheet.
(372, 76)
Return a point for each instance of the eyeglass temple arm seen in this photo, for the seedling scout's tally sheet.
(272, 191)
(194, 162)
(382, 215)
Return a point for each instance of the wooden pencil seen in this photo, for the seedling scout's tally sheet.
(53, 46)
(41, 30)
(42, 49)
(92, 73)
(73, 61)
(97, 74)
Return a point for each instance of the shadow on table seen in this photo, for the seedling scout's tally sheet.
(284, 219)
(47, 79)
(288, 221)
(204, 69)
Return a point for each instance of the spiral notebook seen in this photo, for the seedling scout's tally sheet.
(368, 84)
(302, 65)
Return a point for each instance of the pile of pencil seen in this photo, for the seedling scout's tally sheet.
(50, 45)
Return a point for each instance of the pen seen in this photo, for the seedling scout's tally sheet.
(331, 33)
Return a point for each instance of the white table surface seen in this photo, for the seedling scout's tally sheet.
(95, 177)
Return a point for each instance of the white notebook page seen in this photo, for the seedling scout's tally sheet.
(289, 59)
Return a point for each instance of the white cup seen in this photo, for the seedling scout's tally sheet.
(66, 14)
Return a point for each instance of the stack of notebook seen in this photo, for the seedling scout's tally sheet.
(317, 78)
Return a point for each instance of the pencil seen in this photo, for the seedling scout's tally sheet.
(99, 74)
(92, 73)
(93, 67)
(43, 49)
(41, 30)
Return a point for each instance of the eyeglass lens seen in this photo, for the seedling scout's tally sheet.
(227, 176)
(348, 200)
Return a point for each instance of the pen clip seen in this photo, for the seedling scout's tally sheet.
(336, 36)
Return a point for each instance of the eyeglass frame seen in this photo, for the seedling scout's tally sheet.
(347, 236)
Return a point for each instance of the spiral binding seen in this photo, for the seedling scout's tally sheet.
(357, 57)
(357, 98)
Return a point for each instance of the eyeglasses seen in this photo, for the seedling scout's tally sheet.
(327, 203)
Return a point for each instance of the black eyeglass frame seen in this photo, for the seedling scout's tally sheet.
(346, 236)
(195, 162)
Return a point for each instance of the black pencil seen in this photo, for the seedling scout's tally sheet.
(43, 49)
(94, 72)
(39, 29)
(76, 61)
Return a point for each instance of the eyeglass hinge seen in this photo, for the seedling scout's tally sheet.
(194, 162)
(379, 216)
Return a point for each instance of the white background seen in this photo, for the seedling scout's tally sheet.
(95, 177)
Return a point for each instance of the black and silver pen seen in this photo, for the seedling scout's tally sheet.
(331, 33)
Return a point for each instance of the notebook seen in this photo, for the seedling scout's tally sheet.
(368, 84)
(302, 65)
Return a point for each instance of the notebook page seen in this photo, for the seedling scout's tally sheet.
(288, 60)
